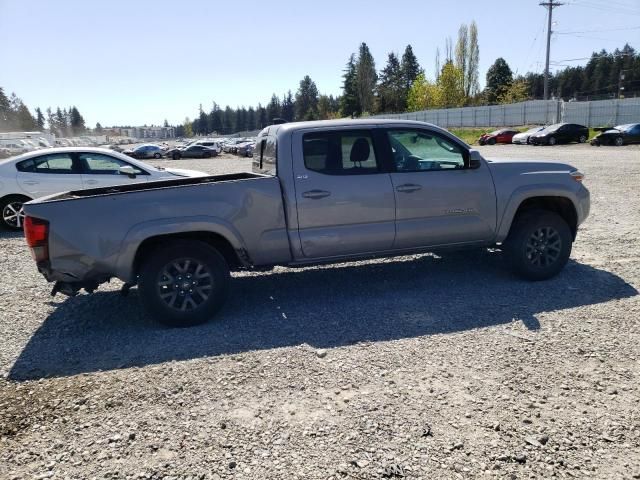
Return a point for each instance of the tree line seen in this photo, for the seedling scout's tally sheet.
(15, 116)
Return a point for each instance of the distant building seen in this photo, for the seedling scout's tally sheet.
(148, 132)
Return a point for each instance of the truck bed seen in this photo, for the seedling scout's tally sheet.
(142, 186)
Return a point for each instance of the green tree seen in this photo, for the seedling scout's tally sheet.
(251, 118)
(166, 123)
(518, 91)
(76, 121)
(6, 114)
(188, 130)
(410, 68)
(51, 121)
(215, 118)
(228, 120)
(261, 114)
(392, 89)
(350, 103)
(203, 122)
(288, 107)
(274, 109)
(423, 94)
(499, 78)
(366, 78)
(451, 86)
(39, 119)
(307, 100)
(472, 75)
(98, 128)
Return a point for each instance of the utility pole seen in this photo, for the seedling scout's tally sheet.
(550, 5)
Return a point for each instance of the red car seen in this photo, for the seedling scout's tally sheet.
(503, 135)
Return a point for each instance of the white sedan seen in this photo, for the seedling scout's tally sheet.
(45, 172)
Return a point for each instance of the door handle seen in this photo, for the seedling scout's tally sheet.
(91, 182)
(316, 194)
(408, 188)
(31, 182)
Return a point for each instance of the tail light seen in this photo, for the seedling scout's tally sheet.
(36, 231)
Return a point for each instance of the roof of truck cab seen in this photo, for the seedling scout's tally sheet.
(346, 122)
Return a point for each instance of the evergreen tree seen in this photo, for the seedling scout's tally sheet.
(203, 122)
(366, 78)
(410, 68)
(350, 104)
(392, 89)
(51, 121)
(76, 121)
(98, 128)
(228, 121)
(6, 114)
(274, 109)
(288, 107)
(307, 100)
(251, 118)
(39, 119)
(165, 125)
(261, 114)
(215, 118)
(499, 78)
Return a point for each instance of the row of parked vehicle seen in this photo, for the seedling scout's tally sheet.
(202, 148)
(564, 133)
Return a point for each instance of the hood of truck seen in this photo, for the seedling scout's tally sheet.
(528, 166)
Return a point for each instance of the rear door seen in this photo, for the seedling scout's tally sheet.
(344, 198)
(49, 174)
(100, 170)
(440, 200)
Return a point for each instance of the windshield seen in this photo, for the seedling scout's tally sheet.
(624, 128)
(553, 128)
(534, 129)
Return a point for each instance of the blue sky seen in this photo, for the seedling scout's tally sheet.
(141, 61)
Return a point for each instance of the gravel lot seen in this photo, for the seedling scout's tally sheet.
(433, 366)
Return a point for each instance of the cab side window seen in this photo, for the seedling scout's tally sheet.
(340, 152)
(419, 150)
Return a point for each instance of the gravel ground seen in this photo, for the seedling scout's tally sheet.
(431, 366)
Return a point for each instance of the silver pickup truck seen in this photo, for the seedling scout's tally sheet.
(320, 192)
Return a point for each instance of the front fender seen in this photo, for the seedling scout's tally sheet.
(168, 226)
(536, 190)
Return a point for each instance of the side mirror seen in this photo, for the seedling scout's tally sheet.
(475, 159)
(128, 170)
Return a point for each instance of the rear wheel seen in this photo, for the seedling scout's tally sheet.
(176, 156)
(582, 139)
(619, 141)
(184, 283)
(12, 216)
(538, 245)
(157, 155)
(206, 155)
(552, 141)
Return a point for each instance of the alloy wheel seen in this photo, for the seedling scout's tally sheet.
(185, 284)
(543, 247)
(13, 214)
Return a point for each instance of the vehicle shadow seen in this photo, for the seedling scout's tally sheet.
(324, 307)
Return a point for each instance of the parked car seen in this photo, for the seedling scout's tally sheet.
(213, 145)
(620, 135)
(192, 151)
(245, 149)
(319, 192)
(523, 138)
(15, 147)
(55, 170)
(5, 152)
(232, 145)
(504, 135)
(145, 151)
(560, 133)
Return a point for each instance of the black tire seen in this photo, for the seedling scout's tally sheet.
(582, 139)
(618, 142)
(491, 141)
(197, 296)
(157, 155)
(8, 218)
(552, 141)
(176, 156)
(206, 155)
(529, 245)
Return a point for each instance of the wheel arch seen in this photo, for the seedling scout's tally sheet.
(558, 204)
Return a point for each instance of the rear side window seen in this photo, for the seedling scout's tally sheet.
(54, 163)
(265, 157)
(341, 152)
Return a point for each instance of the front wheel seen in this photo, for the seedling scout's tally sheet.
(538, 245)
(619, 141)
(491, 141)
(582, 139)
(12, 213)
(176, 156)
(552, 141)
(184, 283)
(157, 155)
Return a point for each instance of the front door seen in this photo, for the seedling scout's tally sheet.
(101, 170)
(439, 199)
(345, 200)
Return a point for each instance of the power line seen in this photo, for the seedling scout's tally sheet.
(550, 6)
(598, 31)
